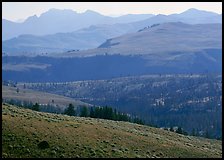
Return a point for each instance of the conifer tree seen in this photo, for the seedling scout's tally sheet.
(179, 130)
(84, 112)
(70, 110)
(36, 107)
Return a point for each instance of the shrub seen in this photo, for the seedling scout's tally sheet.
(43, 145)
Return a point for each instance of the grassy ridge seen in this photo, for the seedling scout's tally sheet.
(37, 96)
(24, 129)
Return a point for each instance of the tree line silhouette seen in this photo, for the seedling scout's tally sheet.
(104, 112)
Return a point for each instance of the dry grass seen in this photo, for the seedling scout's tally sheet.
(69, 136)
(36, 96)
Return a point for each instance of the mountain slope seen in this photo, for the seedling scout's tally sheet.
(66, 136)
(29, 95)
(174, 44)
(55, 21)
(85, 38)
(168, 37)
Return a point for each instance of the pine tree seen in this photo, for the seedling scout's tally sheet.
(207, 135)
(139, 121)
(84, 112)
(179, 130)
(70, 110)
(36, 107)
(92, 114)
(114, 115)
(193, 132)
(96, 113)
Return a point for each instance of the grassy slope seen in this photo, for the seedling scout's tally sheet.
(36, 96)
(22, 129)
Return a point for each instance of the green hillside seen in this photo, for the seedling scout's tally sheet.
(24, 130)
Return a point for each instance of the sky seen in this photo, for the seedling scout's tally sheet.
(15, 11)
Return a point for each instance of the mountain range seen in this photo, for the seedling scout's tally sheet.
(173, 47)
(90, 34)
(55, 21)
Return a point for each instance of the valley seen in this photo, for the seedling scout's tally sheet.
(162, 100)
(139, 82)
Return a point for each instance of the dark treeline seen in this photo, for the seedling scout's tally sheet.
(23, 104)
(82, 111)
(103, 113)
(106, 112)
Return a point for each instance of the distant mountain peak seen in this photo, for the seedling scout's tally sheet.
(161, 15)
(31, 18)
(55, 12)
(194, 11)
(91, 12)
(34, 16)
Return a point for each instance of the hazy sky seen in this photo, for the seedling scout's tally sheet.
(21, 10)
